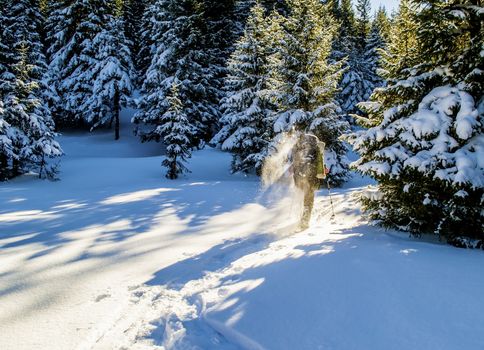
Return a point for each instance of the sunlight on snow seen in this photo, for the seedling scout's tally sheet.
(408, 251)
(136, 196)
(70, 206)
(17, 200)
(28, 215)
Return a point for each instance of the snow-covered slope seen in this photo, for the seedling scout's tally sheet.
(339, 285)
(71, 250)
(113, 256)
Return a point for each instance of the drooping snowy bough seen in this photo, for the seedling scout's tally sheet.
(425, 144)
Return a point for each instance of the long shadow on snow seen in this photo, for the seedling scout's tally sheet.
(193, 204)
(89, 211)
(115, 222)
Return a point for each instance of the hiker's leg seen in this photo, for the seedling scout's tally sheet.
(308, 206)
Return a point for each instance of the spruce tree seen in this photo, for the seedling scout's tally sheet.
(6, 54)
(375, 45)
(72, 26)
(241, 12)
(377, 39)
(111, 72)
(219, 30)
(280, 6)
(133, 11)
(180, 56)
(383, 22)
(6, 146)
(152, 16)
(176, 132)
(402, 49)
(306, 82)
(345, 39)
(27, 127)
(359, 78)
(363, 9)
(68, 33)
(247, 125)
(345, 48)
(426, 142)
(32, 134)
(6, 85)
(24, 22)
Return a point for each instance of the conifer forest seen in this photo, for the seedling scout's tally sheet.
(241, 174)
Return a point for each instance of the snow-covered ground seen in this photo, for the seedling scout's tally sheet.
(113, 256)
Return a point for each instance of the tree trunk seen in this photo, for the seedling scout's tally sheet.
(42, 166)
(15, 167)
(3, 167)
(116, 114)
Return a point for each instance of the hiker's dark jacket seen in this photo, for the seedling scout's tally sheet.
(307, 160)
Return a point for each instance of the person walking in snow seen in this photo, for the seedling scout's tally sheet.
(307, 167)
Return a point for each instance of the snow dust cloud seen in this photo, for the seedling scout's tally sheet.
(278, 191)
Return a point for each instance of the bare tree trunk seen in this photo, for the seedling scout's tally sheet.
(116, 113)
(15, 167)
(42, 166)
(3, 167)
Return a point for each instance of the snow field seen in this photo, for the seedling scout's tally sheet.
(339, 285)
(72, 249)
(113, 256)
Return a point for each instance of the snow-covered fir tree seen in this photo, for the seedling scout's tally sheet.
(247, 120)
(180, 55)
(220, 28)
(27, 127)
(72, 26)
(426, 143)
(344, 48)
(68, 34)
(6, 151)
(23, 23)
(280, 6)
(375, 44)
(6, 55)
(111, 72)
(219, 25)
(6, 147)
(383, 22)
(176, 132)
(358, 80)
(378, 36)
(306, 82)
(345, 38)
(152, 16)
(363, 10)
(402, 49)
(133, 11)
(241, 11)
(32, 128)
(156, 20)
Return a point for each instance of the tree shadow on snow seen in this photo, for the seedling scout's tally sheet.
(53, 229)
(288, 294)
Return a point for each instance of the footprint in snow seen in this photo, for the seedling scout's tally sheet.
(222, 292)
(101, 297)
